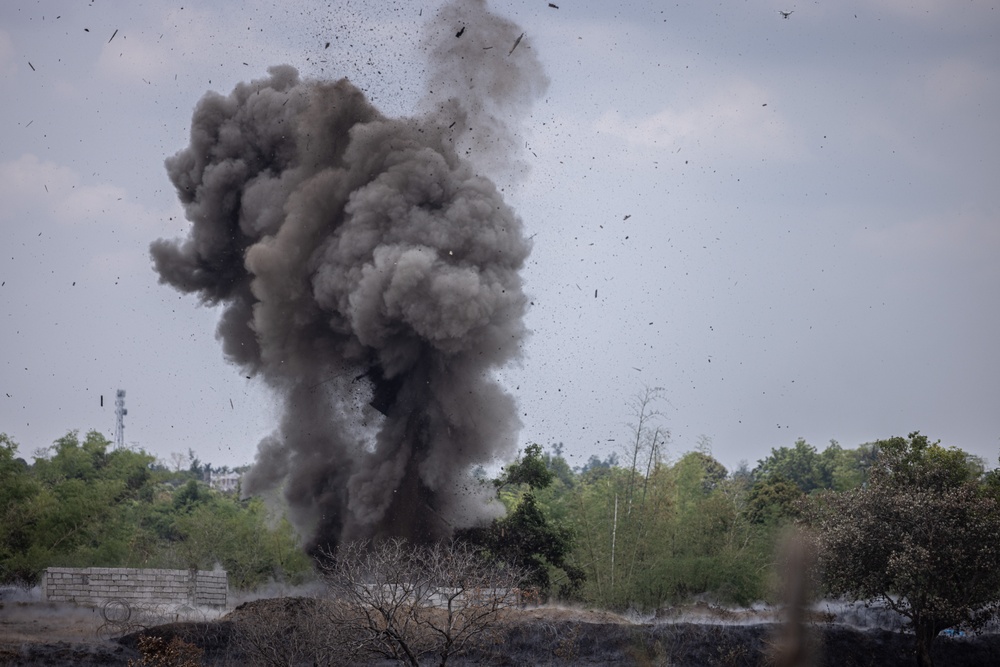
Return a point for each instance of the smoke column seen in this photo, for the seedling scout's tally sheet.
(369, 276)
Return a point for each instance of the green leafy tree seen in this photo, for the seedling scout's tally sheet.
(811, 470)
(618, 508)
(17, 492)
(773, 501)
(559, 467)
(222, 531)
(921, 537)
(68, 506)
(525, 537)
(596, 467)
(801, 465)
(529, 470)
(849, 468)
(698, 472)
(709, 546)
(82, 504)
(75, 511)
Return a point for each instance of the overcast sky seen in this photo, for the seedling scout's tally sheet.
(790, 225)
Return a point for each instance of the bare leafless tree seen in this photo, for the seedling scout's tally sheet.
(407, 602)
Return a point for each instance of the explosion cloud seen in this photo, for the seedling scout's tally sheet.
(362, 260)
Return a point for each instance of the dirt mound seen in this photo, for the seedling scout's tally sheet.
(287, 609)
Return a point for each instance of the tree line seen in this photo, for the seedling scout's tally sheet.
(905, 522)
(81, 503)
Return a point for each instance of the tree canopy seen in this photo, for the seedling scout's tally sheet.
(526, 538)
(921, 537)
(83, 504)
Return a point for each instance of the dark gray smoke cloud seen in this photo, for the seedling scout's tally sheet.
(362, 259)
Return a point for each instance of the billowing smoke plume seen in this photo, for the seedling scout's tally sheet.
(369, 275)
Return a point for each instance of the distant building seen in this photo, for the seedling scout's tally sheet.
(224, 482)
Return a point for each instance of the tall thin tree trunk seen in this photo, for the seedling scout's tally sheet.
(614, 531)
(639, 540)
(926, 632)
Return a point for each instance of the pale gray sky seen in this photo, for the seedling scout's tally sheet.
(791, 226)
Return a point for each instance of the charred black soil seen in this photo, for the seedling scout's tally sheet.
(539, 637)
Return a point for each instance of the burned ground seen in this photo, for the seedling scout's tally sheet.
(31, 634)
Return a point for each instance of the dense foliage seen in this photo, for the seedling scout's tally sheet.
(920, 537)
(81, 504)
(903, 520)
(630, 530)
(525, 537)
(638, 530)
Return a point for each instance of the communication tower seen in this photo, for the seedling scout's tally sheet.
(120, 413)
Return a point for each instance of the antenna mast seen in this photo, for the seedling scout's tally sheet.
(120, 413)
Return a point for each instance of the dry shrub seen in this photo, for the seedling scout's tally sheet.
(405, 602)
(288, 631)
(158, 652)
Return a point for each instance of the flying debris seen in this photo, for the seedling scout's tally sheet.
(327, 45)
(102, 400)
(516, 42)
(31, 66)
(627, 216)
(231, 404)
(460, 32)
(113, 35)
(553, 6)
(785, 15)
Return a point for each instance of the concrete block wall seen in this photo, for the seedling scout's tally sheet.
(93, 586)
